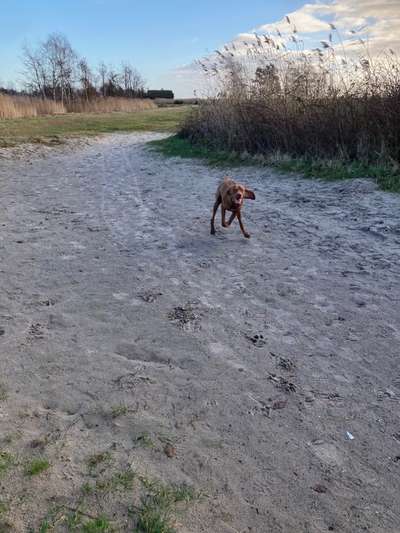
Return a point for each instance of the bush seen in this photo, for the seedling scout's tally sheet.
(319, 104)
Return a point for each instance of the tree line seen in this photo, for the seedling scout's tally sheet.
(53, 69)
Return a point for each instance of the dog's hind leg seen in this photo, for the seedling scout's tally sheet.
(215, 209)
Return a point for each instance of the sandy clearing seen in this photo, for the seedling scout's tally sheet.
(254, 358)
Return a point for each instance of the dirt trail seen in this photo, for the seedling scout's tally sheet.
(258, 359)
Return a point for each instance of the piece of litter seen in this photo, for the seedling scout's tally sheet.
(349, 435)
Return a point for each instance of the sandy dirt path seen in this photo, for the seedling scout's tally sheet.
(270, 365)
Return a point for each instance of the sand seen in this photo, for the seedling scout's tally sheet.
(269, 366)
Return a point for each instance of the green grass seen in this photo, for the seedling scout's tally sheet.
(159, 506)
(175, 146)
(78, 521)
(87, 489)
(6, 462)
(156, 513)
(387, 176)
(97, 525)
(36, 467)
(119, 481)
(73, 520)
(44, 526)
(52, 129)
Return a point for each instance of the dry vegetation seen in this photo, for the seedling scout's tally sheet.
(110, 104)
(25, 106)
(57, 80)
(277, 98)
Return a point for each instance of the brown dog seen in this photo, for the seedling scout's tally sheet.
(231, 195)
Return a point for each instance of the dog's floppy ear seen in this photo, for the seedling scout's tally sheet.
(249, 194)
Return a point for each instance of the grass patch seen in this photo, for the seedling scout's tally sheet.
(36, 467)
(97, 525)
(97, 459)
(119, 481)
(61, 518)
(53, 129)
(5, 526)
(44, 526)
(79, 521)
(158, 507)
(87, 489)
(175, 146)
(144, 441)
(6, 462)
(386, 175)
(3, 393)
(119, 410)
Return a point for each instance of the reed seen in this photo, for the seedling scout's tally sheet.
(26, 106)
(275, 97)
(110, 104)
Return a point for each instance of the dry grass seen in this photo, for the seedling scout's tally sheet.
(110, 105)
(322, 104)
(25, 106)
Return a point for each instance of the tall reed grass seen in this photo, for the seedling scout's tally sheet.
(24, 106)
(110, 104)
(275, 97)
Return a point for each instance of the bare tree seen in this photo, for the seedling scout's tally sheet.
(102, 70)
(133, 83)
(86, 79)
(53, 70)
(113, 83)
(35, 72)
(61, 61)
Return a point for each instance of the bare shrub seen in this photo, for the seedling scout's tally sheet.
(276, 97)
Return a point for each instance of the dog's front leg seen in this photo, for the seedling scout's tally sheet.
(239, 215)
(231, 218)
(215, 208)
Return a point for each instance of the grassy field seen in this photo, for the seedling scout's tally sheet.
(386, 176)
(53, 128)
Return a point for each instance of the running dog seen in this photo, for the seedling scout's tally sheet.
(230, 195)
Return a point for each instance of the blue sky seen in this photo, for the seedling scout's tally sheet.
(162, 38)
(157, 36)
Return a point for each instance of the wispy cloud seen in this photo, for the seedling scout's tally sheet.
(376, 21)
(379, 21)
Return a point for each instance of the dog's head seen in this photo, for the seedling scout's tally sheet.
(237, 193)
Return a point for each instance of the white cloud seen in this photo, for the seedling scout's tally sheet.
(376, 21)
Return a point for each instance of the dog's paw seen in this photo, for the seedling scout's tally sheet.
(212, 232)
(247, 235)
